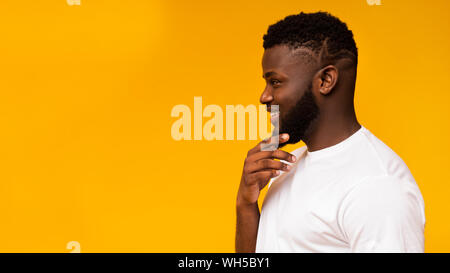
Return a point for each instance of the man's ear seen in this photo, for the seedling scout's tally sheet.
(326, 79)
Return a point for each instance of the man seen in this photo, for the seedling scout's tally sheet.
(345, 191)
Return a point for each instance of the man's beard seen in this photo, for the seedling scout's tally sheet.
(299, 119)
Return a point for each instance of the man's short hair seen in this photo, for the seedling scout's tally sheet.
(327, 36)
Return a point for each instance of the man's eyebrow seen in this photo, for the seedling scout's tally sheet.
(268, 74)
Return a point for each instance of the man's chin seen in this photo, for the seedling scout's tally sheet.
(293, 139)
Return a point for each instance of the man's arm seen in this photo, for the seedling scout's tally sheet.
(384, 214)
(259, 168)
(246, 227)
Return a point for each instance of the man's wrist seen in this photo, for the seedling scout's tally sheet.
(243, 204)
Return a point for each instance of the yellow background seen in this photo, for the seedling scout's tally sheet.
(85, 99)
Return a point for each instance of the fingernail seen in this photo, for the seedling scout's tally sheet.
(293, 159)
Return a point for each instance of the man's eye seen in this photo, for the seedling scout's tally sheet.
(274, 82)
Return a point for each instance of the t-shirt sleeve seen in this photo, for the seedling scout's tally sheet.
(384, 214)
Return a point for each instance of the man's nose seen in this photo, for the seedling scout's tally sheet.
(266, 97)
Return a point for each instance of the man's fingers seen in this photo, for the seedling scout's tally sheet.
(277, 154)
(263, 176)
(267, 164)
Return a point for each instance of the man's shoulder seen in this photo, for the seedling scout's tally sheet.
(385, 193)
(381, 191)
(390, 162)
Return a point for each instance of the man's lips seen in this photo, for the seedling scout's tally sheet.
(274, 114)
(274, 118)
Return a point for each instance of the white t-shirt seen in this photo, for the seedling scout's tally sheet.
(355, 196)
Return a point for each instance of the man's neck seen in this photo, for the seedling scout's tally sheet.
(327, 132)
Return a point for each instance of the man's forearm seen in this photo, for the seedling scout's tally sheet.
(246, 227)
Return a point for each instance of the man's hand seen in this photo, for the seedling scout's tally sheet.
(259, 167)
